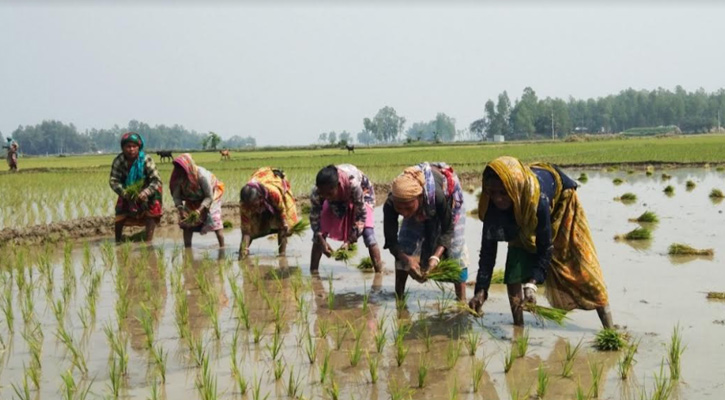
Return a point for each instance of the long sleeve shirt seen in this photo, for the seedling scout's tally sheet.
(438, 227)
(500, 226)
(119, 171)
(206, 189)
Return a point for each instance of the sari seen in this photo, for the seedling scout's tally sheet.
(279, 204)
(194, 186)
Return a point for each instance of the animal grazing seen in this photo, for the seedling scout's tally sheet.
(165, 154)
(350, 148)
(225, 154)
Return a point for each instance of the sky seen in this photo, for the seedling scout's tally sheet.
(286, 72)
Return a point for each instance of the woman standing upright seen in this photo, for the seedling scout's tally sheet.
(429, 198)
(267, 206)
(198, 198)
(136, 180)
(537, 211)
(343, 201)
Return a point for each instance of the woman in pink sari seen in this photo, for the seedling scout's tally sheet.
(342, 202)
(197, 191)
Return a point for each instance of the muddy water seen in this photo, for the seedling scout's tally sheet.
(650, 294)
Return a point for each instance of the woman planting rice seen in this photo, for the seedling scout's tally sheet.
(198, 198)
(136, 180)
(12, 156)
(267, 207)
(342, 209)
(430, 199)
(537, 211)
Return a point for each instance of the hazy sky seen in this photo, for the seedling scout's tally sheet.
(285, 73)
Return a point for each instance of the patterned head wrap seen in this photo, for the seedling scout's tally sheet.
(132, 137)
(523, 188)
(188, 169)
(137, 171)
(409, 184)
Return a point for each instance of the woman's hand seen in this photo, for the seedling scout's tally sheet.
(433, 262)
(477, 301)
(326, 249)
(414, 269)
(143, 196)
(284, 230)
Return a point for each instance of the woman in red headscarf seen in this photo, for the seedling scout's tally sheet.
(198, 198)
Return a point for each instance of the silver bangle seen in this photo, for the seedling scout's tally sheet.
(530, 286)
(434, 258)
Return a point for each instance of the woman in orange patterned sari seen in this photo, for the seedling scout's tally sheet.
(537, 211)
(267, 207)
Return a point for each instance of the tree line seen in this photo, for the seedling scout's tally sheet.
(530, 117)
(55, 137)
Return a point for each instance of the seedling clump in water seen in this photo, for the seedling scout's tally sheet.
(636, 234)
(679, 249)
(609, 340)
(647, 216)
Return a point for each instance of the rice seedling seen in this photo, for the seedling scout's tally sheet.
(541, 313)
(401, 350)
(206, 383)
(117, 343)
(211, 310)
(325, 367)
(300, 227)
(257, 390)
(423, 367)
(160, 357)
(311, 348)
(146, 321)
(22, 392)
(663, 385)
(666, 177)
(344, 254)
(293, 384)
(239, 380)
(595, 370)
(497, 277)
(583, 178)
(649, 170)
(636, 234)
(448, 270)
(669, 190)
(627, 198)
(323, 327)
(453, 393)
(333, 389)
(522, 343)
(275, 346)
(580, 394)
(78, 360)
(340, 335)
(399, 391)
(7, 308)
(330, 295)
(716, 194)
(720, 169)
(473, 340)
(380, 339)
(356, 352)
(257, 333)
(508, 360)
(617, 181)
(453, 353)
(674, 353)
(690, 185)
(647, 216)
(609, 339)
(542, 381)
(568, 363)
(196, 349)
(279, 368)
(71, 390)
(680, 249)
(478, 369)
(373, 367)
(627, 361)
(366, 264)
(114, 377)
(193, 218)
(425, 336)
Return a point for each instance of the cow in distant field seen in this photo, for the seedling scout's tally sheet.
(350, 148)
(165, 154)
(225, 155)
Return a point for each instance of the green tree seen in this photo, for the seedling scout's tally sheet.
(365, 137)
(332, 138)
(323, 137)
(524, 114)
(445, 127)
(345, 138)
(493, 124)
(386, 125)
(503, 114)
(211, 141)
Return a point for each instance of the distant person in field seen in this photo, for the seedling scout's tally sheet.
(429, 198)
(197, 196)
(136, 180)
(267, 206)
(537, 211)
(12, 156)
(342, 201)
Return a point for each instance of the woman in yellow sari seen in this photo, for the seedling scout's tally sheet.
(267, 207)
(537, 211)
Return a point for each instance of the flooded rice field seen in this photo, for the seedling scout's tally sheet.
(96, 320)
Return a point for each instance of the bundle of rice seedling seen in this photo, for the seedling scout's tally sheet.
(192, 219)
(666, 177)
(583, 178)
(132, 191)
(448, 270)
(669, 189)
(609, 340)
(716, 194)
(542, 313)
(300, 227)
(617, 181)
(647, 216)
(345, 254)
(690, 185)
(497, 276)
(716, 295)
(627, 198)
(366, 264)
(679, 249)
(636, 234)
(228, 224)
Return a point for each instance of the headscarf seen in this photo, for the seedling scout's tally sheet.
(259, 187)
(187, 171)
(137, 171)
(343, 185)
(523, 189)
(409, 184)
